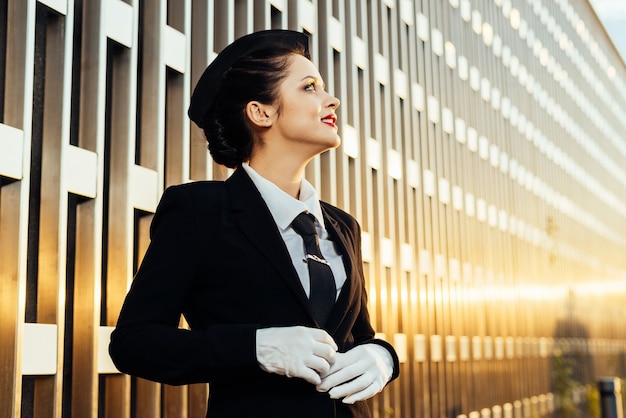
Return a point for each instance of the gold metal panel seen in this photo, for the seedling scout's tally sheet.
(482, 153)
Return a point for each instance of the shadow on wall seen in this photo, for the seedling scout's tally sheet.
(573, 375)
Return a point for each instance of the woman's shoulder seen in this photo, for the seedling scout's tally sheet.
(340, 215)
(205, 189)
(334, 210)
(196, 195)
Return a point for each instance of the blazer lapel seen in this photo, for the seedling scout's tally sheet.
(256, 222)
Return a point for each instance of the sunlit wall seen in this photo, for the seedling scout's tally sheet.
(483, 153)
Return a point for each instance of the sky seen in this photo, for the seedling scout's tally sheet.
(612, 13)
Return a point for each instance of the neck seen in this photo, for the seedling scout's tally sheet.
(285, 173)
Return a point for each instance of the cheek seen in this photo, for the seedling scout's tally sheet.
(306, 109)
(301, 108)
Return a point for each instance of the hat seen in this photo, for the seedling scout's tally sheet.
(204, 93)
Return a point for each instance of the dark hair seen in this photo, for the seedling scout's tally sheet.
(253, 77)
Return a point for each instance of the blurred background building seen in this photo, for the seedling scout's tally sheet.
(612, 14)
(483, 153)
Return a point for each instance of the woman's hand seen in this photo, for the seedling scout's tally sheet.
(298, 351)
(358, 374)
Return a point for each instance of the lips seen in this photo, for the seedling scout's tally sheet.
(330, 120)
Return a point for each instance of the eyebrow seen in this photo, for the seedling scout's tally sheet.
(317, 80)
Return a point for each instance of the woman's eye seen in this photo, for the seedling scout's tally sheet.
(310, 87)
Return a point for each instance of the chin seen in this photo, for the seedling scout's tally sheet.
(322, 146)
(330, 146)
(336, 143)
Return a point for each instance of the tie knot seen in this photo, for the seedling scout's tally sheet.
(304, 224)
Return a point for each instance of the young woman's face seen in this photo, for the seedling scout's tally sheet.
(307, 117)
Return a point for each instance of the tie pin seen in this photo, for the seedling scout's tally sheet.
(316, 258)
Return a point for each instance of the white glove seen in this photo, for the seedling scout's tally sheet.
(301, 352)
(358, 374)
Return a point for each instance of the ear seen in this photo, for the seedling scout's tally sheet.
(259, 114)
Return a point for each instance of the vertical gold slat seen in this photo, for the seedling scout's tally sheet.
(177, 137)
(432, 219)
(454, 93)
(453, 229)
(91, 128)
(342, 70)
(11, 295)
(326, 163)
(412, 393)
(405, 223)
(447, 233)
(389, 137)
(87, 261)
(174, 401)
(152, 81)
(51, 286)
(119, 231)
(424, 326)
(86, 310)
(200, 51)
(513, 284)
(381, 93)
(17, 112)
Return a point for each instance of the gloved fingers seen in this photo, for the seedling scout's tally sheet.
(339, 375)
(307, 374)
(351, 387)
(343, 360)
(319, 364)
(321, 336)
(364, 394)
(325, 351)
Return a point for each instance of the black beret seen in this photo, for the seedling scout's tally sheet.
(204, 93)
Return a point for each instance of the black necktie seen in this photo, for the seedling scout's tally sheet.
(323, 288)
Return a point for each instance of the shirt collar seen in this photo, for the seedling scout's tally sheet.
(283, 207)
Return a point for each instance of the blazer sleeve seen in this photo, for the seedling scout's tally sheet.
(362, 330)
(364, 317)
(147, 341)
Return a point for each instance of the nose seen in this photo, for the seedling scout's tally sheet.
(333, 101)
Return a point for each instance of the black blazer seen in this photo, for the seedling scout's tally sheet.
(217, 256)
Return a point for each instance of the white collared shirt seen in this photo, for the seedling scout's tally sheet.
(284, 208)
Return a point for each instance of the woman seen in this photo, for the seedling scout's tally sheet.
(268, 277)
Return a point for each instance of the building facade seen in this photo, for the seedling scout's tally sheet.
(481, 149)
